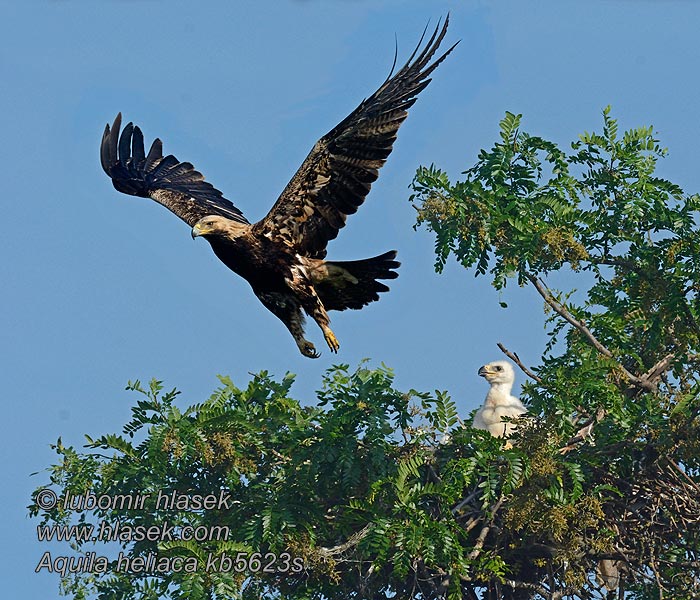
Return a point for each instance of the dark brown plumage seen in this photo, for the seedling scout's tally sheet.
(282, 255)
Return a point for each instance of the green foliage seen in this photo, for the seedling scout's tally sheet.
(370, 490)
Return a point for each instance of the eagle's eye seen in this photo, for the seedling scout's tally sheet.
(499, 368)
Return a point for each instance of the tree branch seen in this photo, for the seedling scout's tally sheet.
(353, 540)
(659, 368)
(585, 431)
(563, 312)
(516, 359)
(479, 544)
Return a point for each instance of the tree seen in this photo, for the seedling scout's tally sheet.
(372, 492)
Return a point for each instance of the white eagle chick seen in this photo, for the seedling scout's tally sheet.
(499, 403)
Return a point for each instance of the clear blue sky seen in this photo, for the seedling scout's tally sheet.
(99, 288)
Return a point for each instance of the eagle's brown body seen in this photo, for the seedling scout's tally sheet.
(290, 285)
(282, 256)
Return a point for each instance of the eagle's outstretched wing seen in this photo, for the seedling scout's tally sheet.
(174, 184)
(337, 174)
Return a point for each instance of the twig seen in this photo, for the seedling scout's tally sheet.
(563, 312)
(516, 359)
(466, 501)
(585, 431)
(683, 474)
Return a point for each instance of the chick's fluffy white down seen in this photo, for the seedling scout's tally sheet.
(499, 402)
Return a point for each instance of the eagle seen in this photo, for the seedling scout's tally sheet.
(282, 256)
(499, 402)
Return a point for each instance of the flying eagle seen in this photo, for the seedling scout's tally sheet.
(499, 403)
(282, 256)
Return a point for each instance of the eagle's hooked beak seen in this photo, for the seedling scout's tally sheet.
(196, 231)
(484, 371)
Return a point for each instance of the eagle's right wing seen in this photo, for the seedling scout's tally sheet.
(336, 176)
(174, 184)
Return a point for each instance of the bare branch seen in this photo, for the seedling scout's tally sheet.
(516, 359)
(682, 474)
(479, 544)
(585, 432)
(353, 540)
(659, 368)
(563, 312)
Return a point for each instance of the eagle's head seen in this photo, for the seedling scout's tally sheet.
(216, 225)
(499, 371)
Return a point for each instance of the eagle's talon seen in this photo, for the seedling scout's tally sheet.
(309, 350)
(332, 341)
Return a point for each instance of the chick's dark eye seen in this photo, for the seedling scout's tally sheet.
(499, 368)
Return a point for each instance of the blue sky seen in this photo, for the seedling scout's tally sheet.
(100, 288)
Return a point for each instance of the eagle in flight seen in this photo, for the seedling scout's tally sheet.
(282, 256)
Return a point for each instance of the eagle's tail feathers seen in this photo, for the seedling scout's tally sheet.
(354, 284)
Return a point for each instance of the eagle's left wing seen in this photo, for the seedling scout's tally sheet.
(176, 185)
(337, 174)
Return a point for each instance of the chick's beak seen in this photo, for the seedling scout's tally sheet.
(483, 371)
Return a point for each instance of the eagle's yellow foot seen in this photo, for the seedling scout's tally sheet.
(331, 340)
(308, 349)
